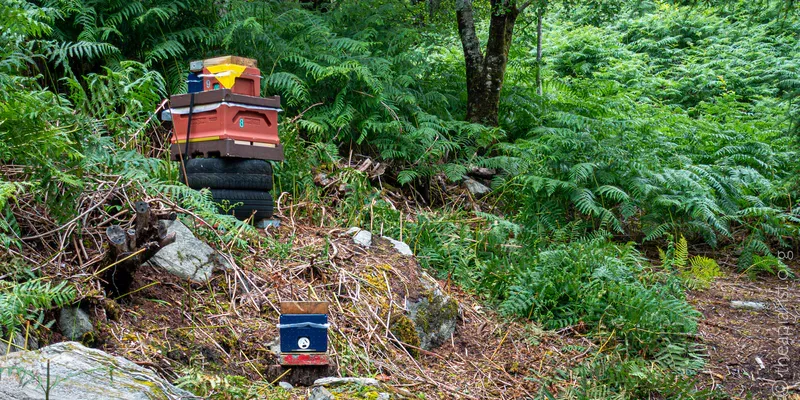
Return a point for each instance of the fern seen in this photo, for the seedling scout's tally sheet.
(681, 255)
(702, 272)
(27, 301)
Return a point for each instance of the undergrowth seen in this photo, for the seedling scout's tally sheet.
(669, 124)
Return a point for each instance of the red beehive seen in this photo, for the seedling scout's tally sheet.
(238, 78)
(222, 114)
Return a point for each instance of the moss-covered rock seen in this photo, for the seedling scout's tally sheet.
(405, 331)
(434, 314)
(80, 373)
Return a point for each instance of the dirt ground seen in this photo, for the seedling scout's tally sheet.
(225, 327)
(173, 326)
(170, 325)
(753, 354)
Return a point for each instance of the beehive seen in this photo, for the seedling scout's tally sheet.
(222, 114)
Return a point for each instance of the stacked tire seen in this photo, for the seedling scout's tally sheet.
(244, 183)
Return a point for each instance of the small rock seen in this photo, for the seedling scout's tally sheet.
(275, 346)
(75, 323)
(80, 373)
(363, 238)
(321, 179)
(481, 172)
(749, 305)
(320, 393)
(353, 230)
(401, 247)
(476, 188)
(435, 314)
(188, 257)
(268, 223)
(333, 381)
(18, 344)
(383, 396)
(285, 385)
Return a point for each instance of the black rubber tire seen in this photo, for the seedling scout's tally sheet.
(251, 201)
(228, 166)
(200, 180)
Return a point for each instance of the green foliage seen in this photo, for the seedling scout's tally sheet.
(120, 99)
(226, 387)
(768, 264)
(702, 271)
(159, 34)
(600, 284)
(354, 90)
(38, 130)
(612, 377)
(696, 272)
(625, 142)
(27, 301)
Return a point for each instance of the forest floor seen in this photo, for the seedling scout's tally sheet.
(225, 327)
(209, 335)
(752, 353)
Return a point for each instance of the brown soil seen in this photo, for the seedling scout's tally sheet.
(170, 325)
(752, 354)
(224, 327)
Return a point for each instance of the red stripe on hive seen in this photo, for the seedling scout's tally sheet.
(304, 359)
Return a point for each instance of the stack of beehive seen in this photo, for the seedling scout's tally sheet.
(226, 134)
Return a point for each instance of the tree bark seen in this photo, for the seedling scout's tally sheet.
(485, 72)
(539, 13)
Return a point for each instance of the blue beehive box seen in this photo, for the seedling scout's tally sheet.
(303, 333)
(195, 83)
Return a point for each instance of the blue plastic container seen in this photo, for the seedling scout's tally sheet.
(303, 333)
(195, 83)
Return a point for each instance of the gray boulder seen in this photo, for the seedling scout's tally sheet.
(363, 238)
(187, 258)
(320, 393)
(476, 188)
(434, 314)
(80, 373)
(401, 247)
(75, 323)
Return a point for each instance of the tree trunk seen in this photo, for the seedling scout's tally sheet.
(539, 13)
(485, 73)
(128, 249)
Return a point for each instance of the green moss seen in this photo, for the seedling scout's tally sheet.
(405, 331)
(113, 310)
(155, 390)
(435, 311)
(89, 339)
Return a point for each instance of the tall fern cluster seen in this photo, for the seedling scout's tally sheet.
(668, 123)
(53, 145)
(353, 86)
